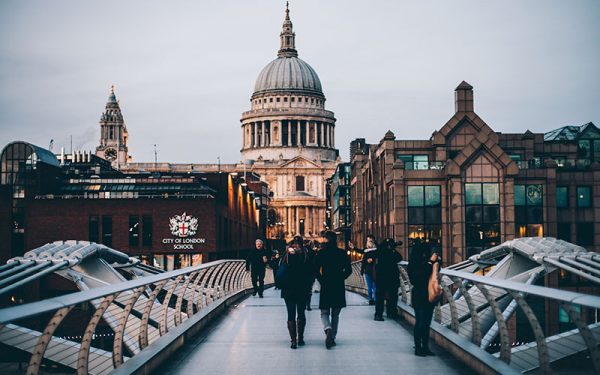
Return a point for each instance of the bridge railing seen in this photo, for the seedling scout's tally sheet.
(98, 330)
(499, 325)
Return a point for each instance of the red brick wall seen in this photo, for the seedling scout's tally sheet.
(64, 219)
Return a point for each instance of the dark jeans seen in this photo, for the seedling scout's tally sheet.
(293, 306)
(258, 281)
(423, 315)
(391, 296)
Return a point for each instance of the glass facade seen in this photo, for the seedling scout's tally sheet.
(425, 216)
(584, 196)
(529, 211)
(562, 197)
(482, 216)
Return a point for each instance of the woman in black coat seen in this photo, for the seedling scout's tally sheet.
(387, 278)
(420, 266)
(333, 267)
(298, 273)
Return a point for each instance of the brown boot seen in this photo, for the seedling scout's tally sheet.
(292, 330)
(301, 325)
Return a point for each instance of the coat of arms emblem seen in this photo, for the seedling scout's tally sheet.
(183, 225)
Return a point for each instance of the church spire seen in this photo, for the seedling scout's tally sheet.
(287, 36)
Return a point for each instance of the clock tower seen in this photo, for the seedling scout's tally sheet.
(113, 134)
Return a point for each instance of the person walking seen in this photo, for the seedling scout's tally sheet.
(387, 278)
(294, 278)
(367, 266)
(312, 253)
(420, 267)
(256, 263)
(274, 263)
(333, 267)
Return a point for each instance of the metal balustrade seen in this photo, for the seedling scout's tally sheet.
(482, 310)
(139, 312)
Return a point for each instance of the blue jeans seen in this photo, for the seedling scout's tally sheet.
(370, 287)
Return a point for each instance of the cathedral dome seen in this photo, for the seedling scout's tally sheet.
(288, 73)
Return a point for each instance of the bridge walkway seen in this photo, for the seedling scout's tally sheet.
(252, 338)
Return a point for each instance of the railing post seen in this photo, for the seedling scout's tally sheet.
(475, 327)
(40, 349)
(502, 326)
(86, 342)
(543, 356)
(164, 325)
(586, 334)
(117, 354)
(146, 316)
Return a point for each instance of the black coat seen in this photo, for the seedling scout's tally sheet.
(365, 266)
(255, 260)
(300, 275)
(387, 274)
(419, 271)
(333, 267)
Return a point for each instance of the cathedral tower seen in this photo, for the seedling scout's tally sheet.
(113, 133)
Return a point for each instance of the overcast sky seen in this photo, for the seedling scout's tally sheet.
(184, 71)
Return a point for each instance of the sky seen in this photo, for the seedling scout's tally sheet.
(184, 71)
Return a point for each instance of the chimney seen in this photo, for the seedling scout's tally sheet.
(464, 97)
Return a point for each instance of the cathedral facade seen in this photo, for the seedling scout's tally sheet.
(288, 139)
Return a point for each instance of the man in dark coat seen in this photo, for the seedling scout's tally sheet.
(333, 267)
(256, 263)
(387, 278)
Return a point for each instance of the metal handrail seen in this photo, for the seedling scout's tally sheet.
(484, 306)
(140, 312)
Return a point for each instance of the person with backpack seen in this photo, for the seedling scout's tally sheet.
(387, 278)
(294, 278)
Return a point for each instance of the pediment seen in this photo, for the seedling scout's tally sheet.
(300, 162)
(482, 144)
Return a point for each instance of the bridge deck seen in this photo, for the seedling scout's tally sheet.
(252, 338)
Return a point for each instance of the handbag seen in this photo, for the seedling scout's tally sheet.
(434, 290)
(282, 277)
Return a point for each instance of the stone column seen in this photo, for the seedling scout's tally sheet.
(307, 133)
(289, 132)
(255, 129)
(298, 138)
(322, 134)
(263, 138)
(332, 136)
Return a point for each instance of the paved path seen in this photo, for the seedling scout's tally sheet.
(252, 338)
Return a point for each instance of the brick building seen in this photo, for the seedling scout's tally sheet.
(468, 187)
(170, 221)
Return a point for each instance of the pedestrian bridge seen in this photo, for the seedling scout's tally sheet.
(132, 318)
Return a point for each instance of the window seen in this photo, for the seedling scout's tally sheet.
(94, 228)
(107, 230)
(299, 183)
(562, 196)
(270, 100)
(482, 216)
(584, 196)
(147, 230)
(424, 215)
(529, 213)
(293, 99)
(285, 99)
(585, 234)
(278, 99)
(134, 230)
(414, 161)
